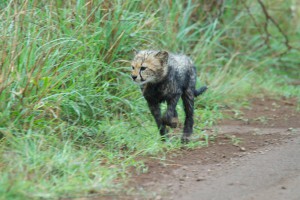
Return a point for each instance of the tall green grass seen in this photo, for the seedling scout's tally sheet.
(72, 122)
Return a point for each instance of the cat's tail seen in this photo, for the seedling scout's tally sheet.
(200, 91)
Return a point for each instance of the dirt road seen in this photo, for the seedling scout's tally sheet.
(255, 155)
(273, 174)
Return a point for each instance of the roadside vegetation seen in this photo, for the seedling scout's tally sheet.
(72, 122)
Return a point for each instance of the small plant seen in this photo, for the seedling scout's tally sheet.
(234, 140)
(262, 119)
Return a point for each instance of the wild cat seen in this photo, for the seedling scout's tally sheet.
(165, 77)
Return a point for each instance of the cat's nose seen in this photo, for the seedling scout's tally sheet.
(133, 77)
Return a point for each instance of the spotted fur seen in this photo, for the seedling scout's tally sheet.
(165, 77)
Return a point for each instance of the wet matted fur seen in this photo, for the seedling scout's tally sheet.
(165, 77)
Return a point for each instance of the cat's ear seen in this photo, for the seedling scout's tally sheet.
(135, 52)
(163, 56)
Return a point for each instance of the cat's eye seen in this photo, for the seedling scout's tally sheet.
(143, 68)
(132, 67)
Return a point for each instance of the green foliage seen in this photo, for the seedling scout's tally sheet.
(71, 120)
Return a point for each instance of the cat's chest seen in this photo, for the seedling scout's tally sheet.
(159, 93)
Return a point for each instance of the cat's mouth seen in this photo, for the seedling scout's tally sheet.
(143, 81)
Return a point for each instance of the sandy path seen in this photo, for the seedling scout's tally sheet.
(272, 175)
